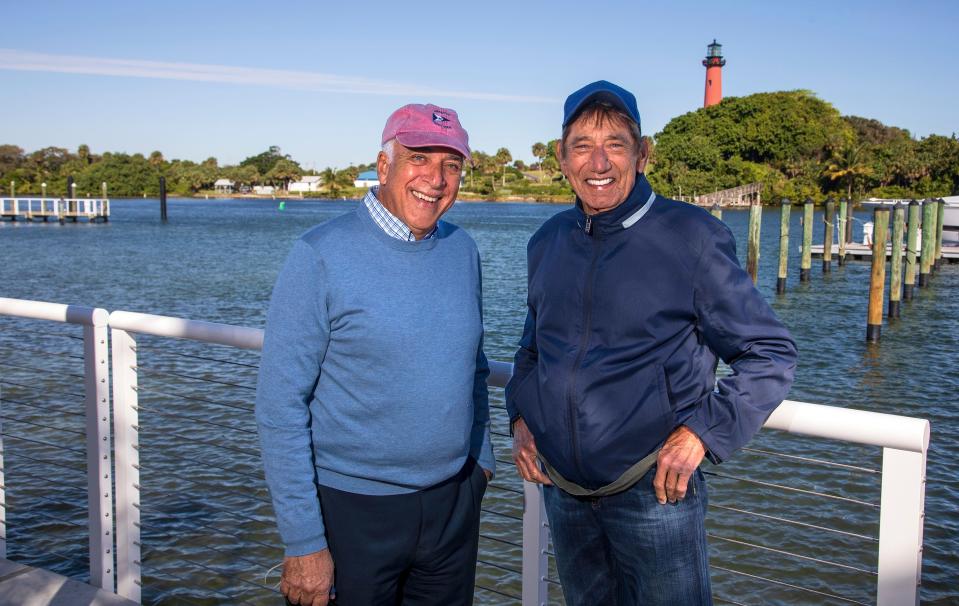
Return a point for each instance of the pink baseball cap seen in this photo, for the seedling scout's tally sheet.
(417, 125)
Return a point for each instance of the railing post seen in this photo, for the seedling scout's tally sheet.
(126, 447)
(535, 539)
(900, 526)
(96, 378)
(3, 493)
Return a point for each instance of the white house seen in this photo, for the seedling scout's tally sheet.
(306, 184)
(264, 190)
(366, 179)
(223, 186)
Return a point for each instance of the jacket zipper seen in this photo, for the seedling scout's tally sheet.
(584, 341)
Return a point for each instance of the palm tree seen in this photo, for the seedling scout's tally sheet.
(503, 158)
(329, 180)
(540, 151)
(847, 164)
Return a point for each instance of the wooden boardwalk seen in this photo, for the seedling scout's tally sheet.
(58, 209)
(860, 252)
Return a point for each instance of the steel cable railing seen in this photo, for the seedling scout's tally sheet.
(747, 540)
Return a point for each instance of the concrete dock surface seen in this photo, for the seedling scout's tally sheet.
(22, 585)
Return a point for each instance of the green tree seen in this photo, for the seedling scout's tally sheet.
(503, 158)
(283, 172)
(847, 165)
(265, 161)
(336, 181)
(539, 152)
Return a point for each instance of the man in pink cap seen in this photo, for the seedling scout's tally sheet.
(371, 402)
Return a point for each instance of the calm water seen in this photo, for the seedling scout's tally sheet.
(206, 516)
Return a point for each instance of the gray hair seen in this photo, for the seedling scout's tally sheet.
(388, 149)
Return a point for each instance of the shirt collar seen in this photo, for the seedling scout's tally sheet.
(624, 216)
(388, 222)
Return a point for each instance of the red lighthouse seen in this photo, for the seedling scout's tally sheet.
(714, 63)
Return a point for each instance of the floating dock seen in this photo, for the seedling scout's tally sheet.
(60, 209)
(860, 252)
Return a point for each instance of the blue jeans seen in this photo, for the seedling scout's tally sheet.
(628, 550)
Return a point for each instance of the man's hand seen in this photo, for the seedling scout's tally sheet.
(677, 462)
(307, 579)
(524, 454)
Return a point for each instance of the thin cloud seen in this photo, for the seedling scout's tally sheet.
(11, 59)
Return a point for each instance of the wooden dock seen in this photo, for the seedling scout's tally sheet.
(862, 252)
(59, 209)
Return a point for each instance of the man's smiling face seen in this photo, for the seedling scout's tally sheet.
(601, 157)
(418, 185)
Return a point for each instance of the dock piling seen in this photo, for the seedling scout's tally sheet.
(912, 245)
(841, 231)
(895, 264)
(827, 219)
(849, 209)
(752, 251)
(163, 199)
(877, 281)
(783, 245)
(806, 263)
(928, 242)
(940, 216)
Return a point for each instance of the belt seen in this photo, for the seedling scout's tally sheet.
(623, 482)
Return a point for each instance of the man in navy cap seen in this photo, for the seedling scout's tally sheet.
(613, 403)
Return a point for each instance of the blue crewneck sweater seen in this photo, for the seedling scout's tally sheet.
(373, 377)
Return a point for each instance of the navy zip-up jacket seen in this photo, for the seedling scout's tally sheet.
(628, 311)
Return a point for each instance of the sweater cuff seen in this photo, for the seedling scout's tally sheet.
(305, 546)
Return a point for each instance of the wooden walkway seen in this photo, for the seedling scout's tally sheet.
(58, 209)
(22, 585)
(860, 252)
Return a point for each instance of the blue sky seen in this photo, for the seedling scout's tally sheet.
(229, 79)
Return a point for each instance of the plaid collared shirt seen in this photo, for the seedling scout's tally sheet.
(387, 221)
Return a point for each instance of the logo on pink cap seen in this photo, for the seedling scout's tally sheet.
(418, 125)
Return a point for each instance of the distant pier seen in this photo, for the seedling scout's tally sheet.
(861, 252)
(59, 209)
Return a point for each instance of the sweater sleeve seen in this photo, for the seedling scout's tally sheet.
(481, 445)
(741, 328)
(295, 343)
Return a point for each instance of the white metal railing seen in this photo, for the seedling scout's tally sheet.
(904, 441)
(97, 413)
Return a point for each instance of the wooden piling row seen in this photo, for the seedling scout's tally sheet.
(806, 263)
(895, 264)
(163, 199)
(912, 245)
(783, 245)
(843, 203)
(928, 242)
(752, 251)
(827, 220)
(877, 282)
(940, 217)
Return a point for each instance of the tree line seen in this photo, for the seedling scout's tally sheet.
(792, 142)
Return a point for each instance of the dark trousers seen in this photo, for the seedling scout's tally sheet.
(413, 549)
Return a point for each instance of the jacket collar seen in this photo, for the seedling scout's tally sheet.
(622, 217)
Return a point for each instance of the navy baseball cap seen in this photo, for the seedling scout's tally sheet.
(605, 91)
